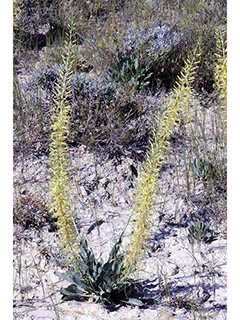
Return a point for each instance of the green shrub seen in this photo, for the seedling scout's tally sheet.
(154, 46)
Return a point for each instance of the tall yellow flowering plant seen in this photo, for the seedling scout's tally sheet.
(59, 162)
(221, 71)
(147, 183)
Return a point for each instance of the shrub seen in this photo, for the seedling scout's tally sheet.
(153, 40)
(44, 76)
(144, 53)
(93, 88)
(37, 24)
(35, 17)
(31, 212)
(155, 46)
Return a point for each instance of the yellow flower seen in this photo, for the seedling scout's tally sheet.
(59, 164)
(147, 183)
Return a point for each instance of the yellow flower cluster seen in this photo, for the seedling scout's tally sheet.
(59, 163)
(147, 183)
(221, 70)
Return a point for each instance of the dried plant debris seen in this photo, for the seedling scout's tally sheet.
(30, 211)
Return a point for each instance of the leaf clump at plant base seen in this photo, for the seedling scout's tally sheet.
(103, 281)
(199, 231)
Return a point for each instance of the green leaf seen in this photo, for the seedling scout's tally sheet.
(65, 276)
(71, 290)
(77, 278)
(136, 64)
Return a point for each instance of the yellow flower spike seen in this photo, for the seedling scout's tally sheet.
(221, 70)
(147, 183)
(59, 163)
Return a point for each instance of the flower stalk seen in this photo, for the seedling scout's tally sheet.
(147, 184)
(59, 161)
(221, 71)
